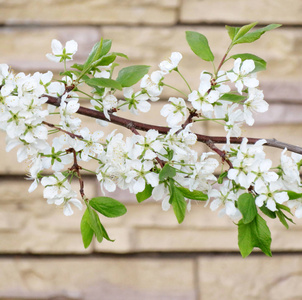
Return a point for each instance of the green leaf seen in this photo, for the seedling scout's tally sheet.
(268, 212)
(145, 194)
(95, 224)
(94, 54)
(254, 234)
(293, 195)
(255, 35)
(167, 172)
(195, 195)
(281, 206)
(77, 66)
(260, 64)
(108, 207)
(105, 47)
(105, 234)
(104, 82)
(178, 202)
(86, 230)
(131, 75)
(232, 31)
(100, 49)
(120, 54)
(242, 31)
(282, 219)
(105, 60)
(232, 97)
(247, 207)
(199, 45)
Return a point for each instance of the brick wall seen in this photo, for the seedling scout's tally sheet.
(41, 253)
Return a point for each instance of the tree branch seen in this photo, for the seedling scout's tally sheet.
(130, 124)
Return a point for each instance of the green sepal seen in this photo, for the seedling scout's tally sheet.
(194, 195)
(167, 172)
(145, 194)
(108, 207)
(86, 230)
(104, 82)
(247, 206)
(199, 45)
(129, 76)
(254, 234)
(222, 176)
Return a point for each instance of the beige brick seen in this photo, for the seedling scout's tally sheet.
(89, 12)
(92, 278)
(29, 224)
(255, 277)
(236, 11)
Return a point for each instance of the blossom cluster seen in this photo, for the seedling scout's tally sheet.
(161, 163)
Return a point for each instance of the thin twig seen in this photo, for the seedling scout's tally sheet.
(72, 135)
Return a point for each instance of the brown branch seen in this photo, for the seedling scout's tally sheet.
(76, 168)
(221, 153)
(164, 130)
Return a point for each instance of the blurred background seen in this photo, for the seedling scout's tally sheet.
(41, 252)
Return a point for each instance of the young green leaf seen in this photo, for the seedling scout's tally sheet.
(108, 207)
(255, 35)
(232, 31)
(243, 31)
(293, 195)
(129, 76)
(94, 54)
(86, 230)
(120, 54)
(254, 234)
(260, 64)
(95, 224)
(268, 212)
(247, 207)
(105, 234)
(282, 219)
(105, 60)
(104, 82)
(178, 202)
(232, 97)
(194, 195)
(199, 45)
(145, 194)
(167, 172)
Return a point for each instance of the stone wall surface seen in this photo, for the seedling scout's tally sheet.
(41, 252)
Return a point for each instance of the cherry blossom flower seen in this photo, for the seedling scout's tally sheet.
(60, 53)
(175, 112)
(167, 66)
(242, 76)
